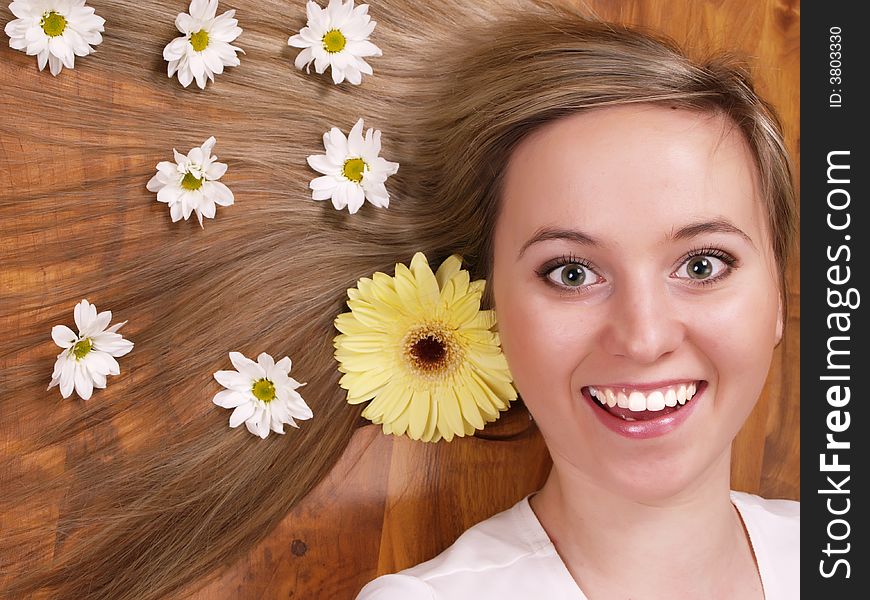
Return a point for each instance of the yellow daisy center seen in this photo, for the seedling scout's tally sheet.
(432, 351)
(199, 40)
(53, 24)
(81, 349)
(353, 169)
(191, 182)
(334, 41)
(264, 390)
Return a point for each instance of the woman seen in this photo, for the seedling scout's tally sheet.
(637, 224)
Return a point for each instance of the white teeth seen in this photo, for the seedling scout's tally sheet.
(655, 401)
(681, 394)
(637, 401)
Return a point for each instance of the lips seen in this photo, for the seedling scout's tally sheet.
(644, 411)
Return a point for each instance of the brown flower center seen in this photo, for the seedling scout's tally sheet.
(432, 351)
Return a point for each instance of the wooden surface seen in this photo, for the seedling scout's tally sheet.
(391, 503)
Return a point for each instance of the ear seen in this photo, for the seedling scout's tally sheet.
(779, 321)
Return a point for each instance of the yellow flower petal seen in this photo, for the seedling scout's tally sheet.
(465, 309)
(399, 425)
(431, 420)
(363, 386)
(445, 429)
(448, 269)
(448, 405)
(389, 404)
(427, 286)
(485, 319)
(470, 409)
(361, 361)
(419, 407)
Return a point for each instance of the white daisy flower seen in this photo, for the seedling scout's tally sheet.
(353, 171)
(204, 49)
(191, 183)
(56, 31)
(262, 393)
(87, 357)
(336, 36)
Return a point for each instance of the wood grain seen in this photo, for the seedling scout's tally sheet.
(391, 503)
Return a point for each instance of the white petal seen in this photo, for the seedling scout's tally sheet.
(115, 346)
(356, 198)
(242, 413)
(339, 196)
(336, 146)
(246, 366)
(99, 380)
(377, 194)
(234, 380)
(84, 384)
(325, 182)
(175, 49)
(185, 23)
(184, 75)
(355, 139)
(303, 59)
(262, 423)
(353, 75)
(229, 399)
(337, 74)
(266, 362)
(215, 171)
(102, 363)
(67, 377)
(170, 194)
(206, 209)
(218, 193)
(321, 60)
(362, 48)
(372, 145)
(63, 336)
(284, 365)
(322, 164)
(206, 148)
(154, 184)
(83, 315)
(98, 325)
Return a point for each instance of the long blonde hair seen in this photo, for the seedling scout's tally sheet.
(155, 491)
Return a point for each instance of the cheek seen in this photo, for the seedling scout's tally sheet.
(737, 334)
(542, 340)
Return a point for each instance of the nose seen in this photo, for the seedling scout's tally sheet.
(643, 323)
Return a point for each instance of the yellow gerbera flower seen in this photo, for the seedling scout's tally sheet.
(420, 348)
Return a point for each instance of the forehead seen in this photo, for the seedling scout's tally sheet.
(631, 173)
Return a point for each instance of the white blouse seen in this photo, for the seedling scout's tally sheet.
(510, 557)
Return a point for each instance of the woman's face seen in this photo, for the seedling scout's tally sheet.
(632, 262)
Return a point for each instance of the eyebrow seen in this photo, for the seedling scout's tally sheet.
(719, 225)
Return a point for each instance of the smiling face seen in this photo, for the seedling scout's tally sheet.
(637, 292)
